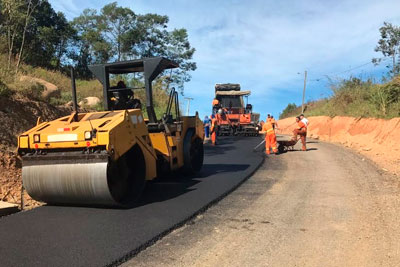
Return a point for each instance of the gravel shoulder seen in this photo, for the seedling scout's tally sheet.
(325, 207)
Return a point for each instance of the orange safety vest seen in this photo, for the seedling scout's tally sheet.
(302, 125)
(267, 127)
(214, 123)
(215, 102)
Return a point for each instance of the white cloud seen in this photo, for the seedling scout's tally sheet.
(69, 7)
(264, 44)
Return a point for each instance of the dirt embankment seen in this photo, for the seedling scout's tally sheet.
(378, 139)
(18, 114)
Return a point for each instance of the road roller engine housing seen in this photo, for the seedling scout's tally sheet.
(105, 158)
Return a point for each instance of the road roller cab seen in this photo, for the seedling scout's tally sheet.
(104, 158)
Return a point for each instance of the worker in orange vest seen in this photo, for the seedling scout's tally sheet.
(215, 105)
(270, 137)
(268, 118)
(301, 130)
(214, 127)
(274, 123)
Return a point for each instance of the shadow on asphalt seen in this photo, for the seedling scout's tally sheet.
(160, 191)
(224, 144)
(174, 186)
(218, 149)
(299, 150)
(209, 169)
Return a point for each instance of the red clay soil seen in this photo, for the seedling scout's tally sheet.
(18, 114)
(377, 139)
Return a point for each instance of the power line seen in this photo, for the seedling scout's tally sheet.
(348, 70)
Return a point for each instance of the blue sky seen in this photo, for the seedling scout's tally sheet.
(266, 45)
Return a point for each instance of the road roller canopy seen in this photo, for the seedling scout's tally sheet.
(151, 68)
(131, 66)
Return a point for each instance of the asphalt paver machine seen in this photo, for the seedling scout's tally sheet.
(234, 116)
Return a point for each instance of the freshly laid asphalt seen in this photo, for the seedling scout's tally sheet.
(84, 236)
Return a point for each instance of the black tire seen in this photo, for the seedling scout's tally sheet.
(127, 177)
(281, 149)
(193, 153)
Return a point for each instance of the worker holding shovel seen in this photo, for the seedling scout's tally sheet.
(270, 137)
(301, 130)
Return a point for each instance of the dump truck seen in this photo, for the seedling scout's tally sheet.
(234, 117)
(105, 158)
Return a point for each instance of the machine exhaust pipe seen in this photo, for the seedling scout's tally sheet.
(74, 99)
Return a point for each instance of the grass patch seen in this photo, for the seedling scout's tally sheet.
(4, 90)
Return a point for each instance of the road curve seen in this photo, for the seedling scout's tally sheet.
(325, 207)
(82, 236)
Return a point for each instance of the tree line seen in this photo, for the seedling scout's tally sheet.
(32, 32)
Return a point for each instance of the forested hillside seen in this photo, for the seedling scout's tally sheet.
(34, 34)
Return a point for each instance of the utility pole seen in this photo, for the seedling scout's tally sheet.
(304, 91)
(188, 105)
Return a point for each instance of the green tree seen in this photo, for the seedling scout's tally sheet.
(389, 45)
(30, 7)
(35, 33)
(179, 50)
(55, 41)
(117, 25)
(12, 19)
(117, 33)
(156, 40)
(51, 38)
(92, 46)
(288, 111)
(148, 39)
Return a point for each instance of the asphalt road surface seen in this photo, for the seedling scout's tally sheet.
(82, 236)
(324, 207)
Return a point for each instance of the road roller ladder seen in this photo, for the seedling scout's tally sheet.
(105, 158)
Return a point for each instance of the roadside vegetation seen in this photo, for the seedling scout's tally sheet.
(356, 98)
(36, 42)
(359, 97)
(13, 85)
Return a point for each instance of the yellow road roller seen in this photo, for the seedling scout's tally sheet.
(105, 158)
